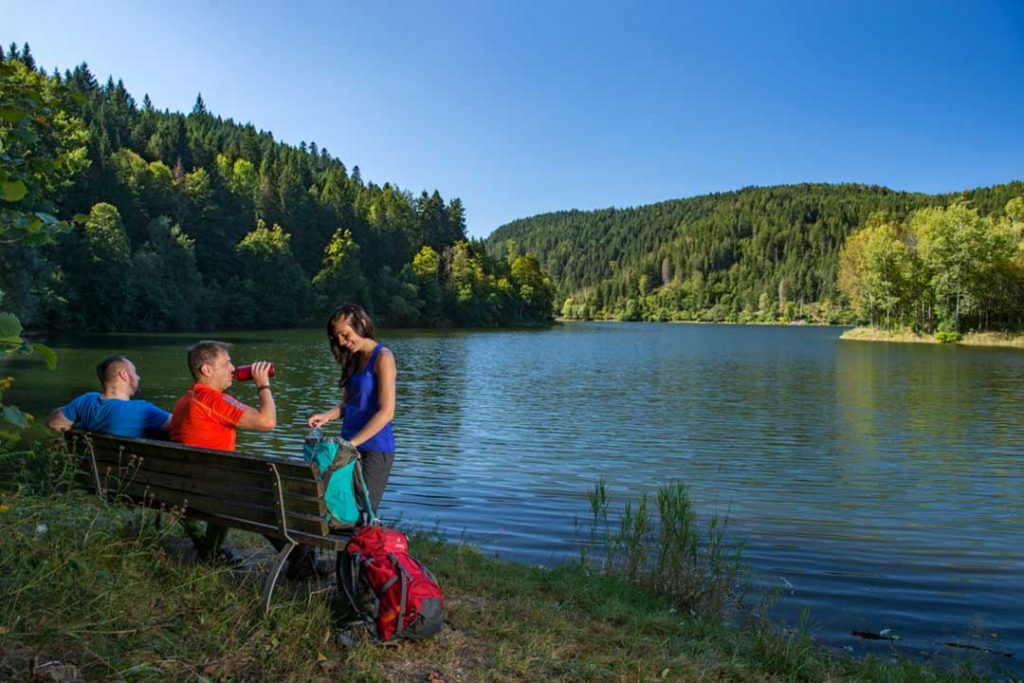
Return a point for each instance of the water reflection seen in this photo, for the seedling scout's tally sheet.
(878, 484)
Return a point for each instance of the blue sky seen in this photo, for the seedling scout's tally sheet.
(521, 108)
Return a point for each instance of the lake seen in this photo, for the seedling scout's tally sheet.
(878, 485)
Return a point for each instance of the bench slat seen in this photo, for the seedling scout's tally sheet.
(201, 456)
(221, 488)
(337, 540)
(151, 447)
(258, 488)
(257, 475)
(228, 507)
(225, 507)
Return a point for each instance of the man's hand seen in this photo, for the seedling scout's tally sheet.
(261, 373)
(263, 418)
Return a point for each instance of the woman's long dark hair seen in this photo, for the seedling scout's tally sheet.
(359, 321)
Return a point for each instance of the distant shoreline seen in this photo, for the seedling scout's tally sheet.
(1013, 340)
(776, 323)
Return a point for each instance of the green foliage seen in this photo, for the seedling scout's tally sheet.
(95, 258)
(943, 269)
(41, 148)
(340, 278)
(425, 268)
(12, 420)
(39, 151)
(169, 289)
(93, 152)
(962, 253)
(877, 272)
(753, 255)
(667, 552)
(536, 293)
(274, 289)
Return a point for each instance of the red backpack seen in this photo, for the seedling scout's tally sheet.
(377, 564)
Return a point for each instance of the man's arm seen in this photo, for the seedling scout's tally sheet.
(58, 422)
(158, 422)
(263, 418)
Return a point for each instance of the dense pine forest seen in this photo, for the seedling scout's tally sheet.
(754, 255)
(118, 216)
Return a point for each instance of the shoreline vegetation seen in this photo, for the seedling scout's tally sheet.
(94, 590)
(843, 254)
(1014, 340)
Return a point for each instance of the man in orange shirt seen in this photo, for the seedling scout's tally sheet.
(207, 417)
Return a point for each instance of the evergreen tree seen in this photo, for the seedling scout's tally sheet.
(274, 290)
(169, 292)
(340, 278)
(96, 260)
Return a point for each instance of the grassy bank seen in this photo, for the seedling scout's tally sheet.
(91, 589)
(1008, 339)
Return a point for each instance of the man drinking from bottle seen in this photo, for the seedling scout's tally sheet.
(207, 417)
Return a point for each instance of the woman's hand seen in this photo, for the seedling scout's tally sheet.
(320, 419)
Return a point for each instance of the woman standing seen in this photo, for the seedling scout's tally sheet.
(368, 394)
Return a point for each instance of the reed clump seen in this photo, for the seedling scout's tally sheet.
(666, 548)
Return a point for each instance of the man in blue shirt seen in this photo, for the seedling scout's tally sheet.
(113, 411)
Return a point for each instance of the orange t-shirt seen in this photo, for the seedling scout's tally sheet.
(206, 418)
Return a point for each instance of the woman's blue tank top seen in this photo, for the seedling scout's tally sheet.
(361, 405)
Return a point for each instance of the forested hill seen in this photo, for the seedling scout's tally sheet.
(760, 253)
(186, 221)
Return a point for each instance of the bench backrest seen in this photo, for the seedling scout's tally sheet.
(265, 494)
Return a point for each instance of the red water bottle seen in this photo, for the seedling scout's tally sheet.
(243, 373)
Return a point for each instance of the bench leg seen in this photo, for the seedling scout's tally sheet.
(275, 572)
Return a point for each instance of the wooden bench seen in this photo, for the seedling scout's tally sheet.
(269, 495)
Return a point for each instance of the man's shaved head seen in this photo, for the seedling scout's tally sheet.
(108, 368)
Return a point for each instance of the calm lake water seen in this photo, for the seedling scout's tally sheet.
(878, 485)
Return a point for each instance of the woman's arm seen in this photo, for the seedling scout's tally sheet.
(385, 371)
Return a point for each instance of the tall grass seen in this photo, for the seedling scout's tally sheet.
(667, 549)
(89, 583)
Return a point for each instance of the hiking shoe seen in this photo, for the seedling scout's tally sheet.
(306, 568)
(222, 557)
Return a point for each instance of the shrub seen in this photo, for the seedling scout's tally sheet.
(669, 552)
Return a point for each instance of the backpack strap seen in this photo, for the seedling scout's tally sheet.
(371, 518)
(400, 573)
(350, 581)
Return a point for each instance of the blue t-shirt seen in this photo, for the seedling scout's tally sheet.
(115, 416)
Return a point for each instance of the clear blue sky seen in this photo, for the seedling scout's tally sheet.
(525, 107)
